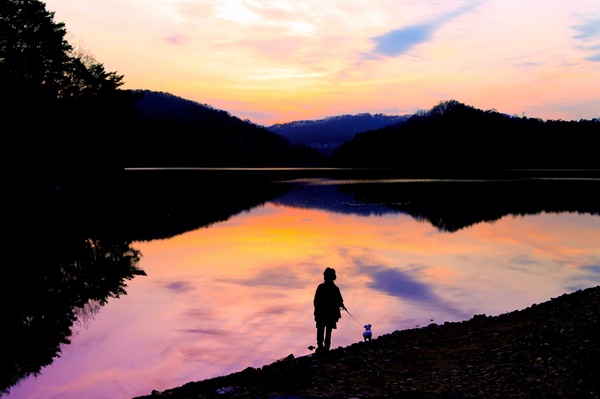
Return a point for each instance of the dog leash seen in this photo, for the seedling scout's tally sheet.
(354, 318)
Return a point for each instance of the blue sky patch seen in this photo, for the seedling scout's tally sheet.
(400, 41)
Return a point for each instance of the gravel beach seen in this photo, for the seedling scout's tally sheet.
(548, 350)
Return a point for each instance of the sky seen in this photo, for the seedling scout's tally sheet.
(282, 61)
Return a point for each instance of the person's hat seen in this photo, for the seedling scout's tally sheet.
(329, 274)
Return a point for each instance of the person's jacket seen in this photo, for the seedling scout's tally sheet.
(328, 301)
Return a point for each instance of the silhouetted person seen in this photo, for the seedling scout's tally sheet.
(328, 303)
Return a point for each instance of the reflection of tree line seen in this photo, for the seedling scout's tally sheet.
(162, 204)
(82, 255)
(56, 280)
(74, 252)
(329, 198)
(451, 206)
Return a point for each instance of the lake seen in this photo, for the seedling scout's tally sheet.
(230, 282)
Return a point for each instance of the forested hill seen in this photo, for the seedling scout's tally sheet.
(454, 137)
(329, 133)
(173, 131)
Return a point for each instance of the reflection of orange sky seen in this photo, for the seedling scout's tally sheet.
(303, 241)
(239, 293)
(275, 255)
(272, 259)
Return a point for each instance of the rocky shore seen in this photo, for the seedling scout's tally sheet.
(548, 350)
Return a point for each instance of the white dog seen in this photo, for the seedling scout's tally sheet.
(367, 334)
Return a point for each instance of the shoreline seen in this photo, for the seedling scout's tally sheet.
(546, 350)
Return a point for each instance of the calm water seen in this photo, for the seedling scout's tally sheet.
(238, 293)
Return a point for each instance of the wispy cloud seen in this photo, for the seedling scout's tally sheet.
(403, 284)
(400, 284)
(175, 39)
(179, 286)
(400, 41)
(207, 331)
(268, 278)
(588, 32)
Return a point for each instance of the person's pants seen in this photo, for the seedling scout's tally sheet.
(323, 337)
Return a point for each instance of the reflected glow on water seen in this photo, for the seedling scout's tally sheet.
(239, 293)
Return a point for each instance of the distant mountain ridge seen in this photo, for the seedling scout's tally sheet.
(327, 134)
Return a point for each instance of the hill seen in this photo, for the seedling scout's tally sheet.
(454, 137)
(451, 138)
(172, 131)
(329, 133)
(548, 350)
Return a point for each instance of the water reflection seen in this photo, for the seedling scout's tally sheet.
(238, 292)
(71, 282)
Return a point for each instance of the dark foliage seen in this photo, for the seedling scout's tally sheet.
(159, 204)
(73, 251)
(454, 205)
(453, 137)
(60, 275)
(172, 131)
(34, 56)
(61, 108)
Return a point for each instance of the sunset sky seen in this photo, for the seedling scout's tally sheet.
(280, 61)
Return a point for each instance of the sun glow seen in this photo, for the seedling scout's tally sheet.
(279, 61)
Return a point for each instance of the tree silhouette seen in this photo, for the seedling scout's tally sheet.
(60, 102)
(67, 279)
(33, 51)
(454, 138)
(88, 78)
(38, 64)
